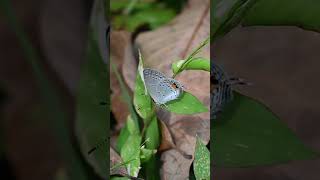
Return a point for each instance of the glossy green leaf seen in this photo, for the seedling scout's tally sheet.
(201, 163)
(142, 101)
(301, 13)
(198, 63)
(186, 104)
(248, 134)
(92, 118)
(130, 152)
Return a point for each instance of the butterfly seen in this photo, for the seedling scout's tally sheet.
(221, 89)
(161, 88)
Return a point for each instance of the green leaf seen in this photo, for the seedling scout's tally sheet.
(136, 14)
(118, 5)
(92, 118)
(248, 134)
(122, 138)
(130, 152)
(154, 17)
(301, 13)
(129, 128)
(132, 126)
(153, 134)
(201, 164)
(119, 22)
(182, 65)
(198, 63)
(142, 101)
(146, 154)
(152, 168)
(153, 142)
(120, 178)
(186, 104)
(227, 14)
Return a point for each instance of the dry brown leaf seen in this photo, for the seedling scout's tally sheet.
(119, 40)
(162, 47)
(166, 138)
(116, 159)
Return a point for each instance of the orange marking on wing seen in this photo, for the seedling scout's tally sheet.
(174, 85)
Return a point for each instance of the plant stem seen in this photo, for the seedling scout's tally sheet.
(190, 57)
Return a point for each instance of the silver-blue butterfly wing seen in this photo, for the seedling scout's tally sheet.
(161, 88)
(169, 89)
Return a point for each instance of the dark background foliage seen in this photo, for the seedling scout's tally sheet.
(30, 148)
(282, 63)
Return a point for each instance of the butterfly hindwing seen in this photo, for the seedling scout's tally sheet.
(170, 90)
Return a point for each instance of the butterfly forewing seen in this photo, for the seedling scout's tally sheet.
(152, 78)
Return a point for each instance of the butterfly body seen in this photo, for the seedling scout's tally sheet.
(161, 88)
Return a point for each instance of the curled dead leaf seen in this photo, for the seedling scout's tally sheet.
(119, 40)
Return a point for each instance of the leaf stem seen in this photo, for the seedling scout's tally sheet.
(190, 57)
